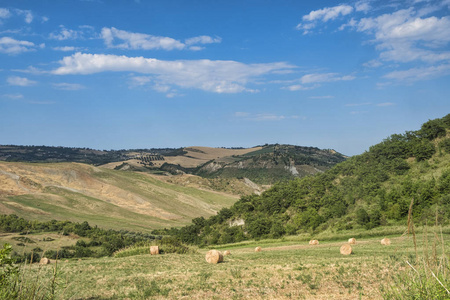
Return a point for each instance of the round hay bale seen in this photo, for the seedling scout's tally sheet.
(346, 249)
(258, 249)
(385, 242)
(154, 250)
(44, 261)
(214, 257)
(352, 241)
(314, 242)
(227, 252)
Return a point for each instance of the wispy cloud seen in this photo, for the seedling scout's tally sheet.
(358, 104)
(11, 46)
(384, 104)
(68, 86)
(420, 73)
(314, 80)
(20, 81)
(27, 14)
(403, 36)
(209, 75)
(66, 48)
(323, 15)
(263, 117)
(64, 33)
(4, 13)
(321, 97)
(13, 96)
(132, 40)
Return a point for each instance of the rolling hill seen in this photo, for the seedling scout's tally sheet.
(107, 198)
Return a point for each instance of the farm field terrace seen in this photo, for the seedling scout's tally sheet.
(285, 269)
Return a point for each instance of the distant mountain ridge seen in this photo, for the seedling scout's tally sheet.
(262, 164)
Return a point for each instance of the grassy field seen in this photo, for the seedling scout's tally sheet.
(104, 197)
(285, 269)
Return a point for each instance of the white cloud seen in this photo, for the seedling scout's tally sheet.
(203, 39)
(65, 48)
(384, 104)
(358, 104)
(28, 15)
(68, 86)
(328, 13)
(299, 87)
(11, 46)
(217, 76)
(363, 6)
(13, 96)
(324, 77)
(374, 63)
(313, 80)
(322, 97)
(131, 40)
(4, 13)
(31, 70)
(196, 48)
(70, 34)
(140, 80)
(403, 36)
(138, 40)
(20, 81)
(263, 117)
(323, 15)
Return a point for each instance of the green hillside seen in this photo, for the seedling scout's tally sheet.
(272, 163)
(369, 190)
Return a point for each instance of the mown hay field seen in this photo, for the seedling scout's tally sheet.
(280, 271)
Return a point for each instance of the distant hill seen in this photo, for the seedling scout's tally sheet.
(108, 198)
(265, 164)
(373, 189)
(272, 163)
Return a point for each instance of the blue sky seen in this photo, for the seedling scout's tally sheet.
(143, 74)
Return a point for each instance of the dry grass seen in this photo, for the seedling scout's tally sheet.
(79, 192)
(282, 271)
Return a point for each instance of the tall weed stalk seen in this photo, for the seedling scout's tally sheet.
(426, 278)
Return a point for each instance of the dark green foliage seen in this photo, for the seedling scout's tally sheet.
(445, 145)
(433, 129)
(108, 240)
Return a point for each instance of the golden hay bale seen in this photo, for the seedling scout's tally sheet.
(314, 242)
(227, 252)
(44, 261)
(214, 257)
(385, 242)
(154, 250)
(258, 249)
(346, 249)
(352, 241)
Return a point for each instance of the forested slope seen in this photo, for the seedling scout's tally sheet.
(369, 190)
